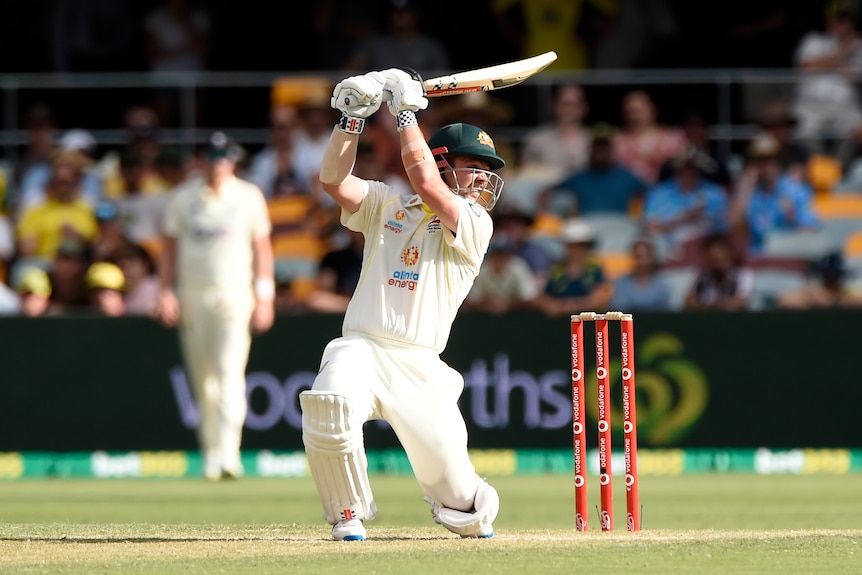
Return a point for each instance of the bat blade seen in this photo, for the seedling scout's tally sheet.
(490, 78)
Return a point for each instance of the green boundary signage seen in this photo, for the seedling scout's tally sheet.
(720, 381)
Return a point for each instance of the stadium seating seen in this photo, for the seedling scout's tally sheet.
(809, 245)
(680, 280)
(769, 283)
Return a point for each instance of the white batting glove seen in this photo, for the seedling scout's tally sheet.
(407, 91)
(359, 96)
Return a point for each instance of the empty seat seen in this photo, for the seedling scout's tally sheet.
(808, 245)
(679, 280)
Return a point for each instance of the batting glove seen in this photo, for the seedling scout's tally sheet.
(406, 89)
(359, 96)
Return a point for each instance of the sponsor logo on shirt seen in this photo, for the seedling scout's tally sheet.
(395, 225)
(434, 226)
(406, 278)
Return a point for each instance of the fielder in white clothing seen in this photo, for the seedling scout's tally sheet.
(423, 249)
(217, 255)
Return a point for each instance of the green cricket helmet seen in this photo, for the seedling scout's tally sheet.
(466, 140)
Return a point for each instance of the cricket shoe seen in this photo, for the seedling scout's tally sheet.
(485, 533)
(349, 530)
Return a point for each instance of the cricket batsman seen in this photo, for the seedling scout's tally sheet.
(217, 254)
(423, 250)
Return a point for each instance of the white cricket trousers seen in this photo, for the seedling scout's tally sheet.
(417, 393)
(215, 335)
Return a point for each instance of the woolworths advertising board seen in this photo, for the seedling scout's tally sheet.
(706, 380)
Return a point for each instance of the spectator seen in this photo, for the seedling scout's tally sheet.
(505, 282)
(569, 28)
(687, 206)
(827, 101)
(273, 168)
(143, 133)
(77, 141)
(40, 149)
(141, 279)
(576, 283)
(768, 198)
(34, 290)
(644, 145)
(830, 290)
(92, 35)
(563, 143)
(177, 40)
(644, 288)
(778, 120)
(339, 27)
(111, 236)
(601, 186)
(337, 276)
(68, 294)
(697, 135)
(63, 215)
(141, 214)
(403, 44)
(105, 286)
(723, 282)
(515, 226)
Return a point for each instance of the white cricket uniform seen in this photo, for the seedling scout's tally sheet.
(415, 275)
(214, 234)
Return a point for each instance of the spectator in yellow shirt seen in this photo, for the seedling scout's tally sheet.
(63, 215)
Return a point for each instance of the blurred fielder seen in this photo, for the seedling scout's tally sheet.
(217, 249)
(423, 249)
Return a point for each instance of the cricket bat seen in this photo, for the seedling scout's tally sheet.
(490, 78)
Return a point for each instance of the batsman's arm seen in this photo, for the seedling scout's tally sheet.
(425, 177)
(335, 171)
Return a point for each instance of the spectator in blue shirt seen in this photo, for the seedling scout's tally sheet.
(687, 206)
(768, 198)
(603, 185)
(644, 288)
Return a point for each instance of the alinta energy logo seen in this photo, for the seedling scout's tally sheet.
(395, 225)
(672, 392)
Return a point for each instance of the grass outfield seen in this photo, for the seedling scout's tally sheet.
(704, 524)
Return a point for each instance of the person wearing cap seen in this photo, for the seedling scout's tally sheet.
(33, 286)
(217, 285)
(578, 281)
(106, 287)
(768, 198)
(75, 142)
(424, 248)
(827, 101)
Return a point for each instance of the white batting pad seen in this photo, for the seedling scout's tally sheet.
(486, 505)
(336, 456)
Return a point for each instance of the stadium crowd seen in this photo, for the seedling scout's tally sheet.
(648, 214)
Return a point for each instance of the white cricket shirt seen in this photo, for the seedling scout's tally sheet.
(214, 233)
(415, 272)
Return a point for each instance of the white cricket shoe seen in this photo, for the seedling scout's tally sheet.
(349, 530)
(485, 532)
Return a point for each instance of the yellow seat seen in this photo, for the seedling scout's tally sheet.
(823, 173)
(853, 245)
(616, 264)
(838, 206)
